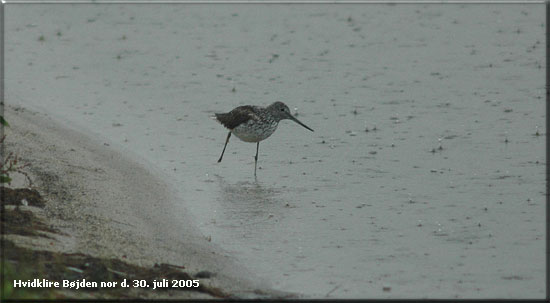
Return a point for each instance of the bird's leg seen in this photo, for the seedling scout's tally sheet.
(223, 151)
(256, 158)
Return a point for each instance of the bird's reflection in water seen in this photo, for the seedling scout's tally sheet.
(247, 203)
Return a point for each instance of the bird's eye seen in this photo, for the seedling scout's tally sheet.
(282, 109)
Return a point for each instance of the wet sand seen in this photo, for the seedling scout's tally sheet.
(107, 206)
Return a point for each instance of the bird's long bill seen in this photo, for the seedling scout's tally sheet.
(297, 121)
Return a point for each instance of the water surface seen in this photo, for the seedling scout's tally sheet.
(424, 177)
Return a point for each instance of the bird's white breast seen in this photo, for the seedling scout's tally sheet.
(252, 131)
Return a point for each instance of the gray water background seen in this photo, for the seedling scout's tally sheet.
(442, 197)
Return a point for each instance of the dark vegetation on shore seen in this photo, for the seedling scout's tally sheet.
(20, 263)
(20, 216)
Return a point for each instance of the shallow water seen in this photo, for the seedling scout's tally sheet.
(442, 197)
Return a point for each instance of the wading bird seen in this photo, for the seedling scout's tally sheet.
(254, 123)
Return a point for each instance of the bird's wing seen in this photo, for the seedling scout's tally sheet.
(237, 116)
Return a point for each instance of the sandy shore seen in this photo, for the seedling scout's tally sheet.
(109, 206)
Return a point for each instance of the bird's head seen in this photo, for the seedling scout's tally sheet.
(280, 111)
